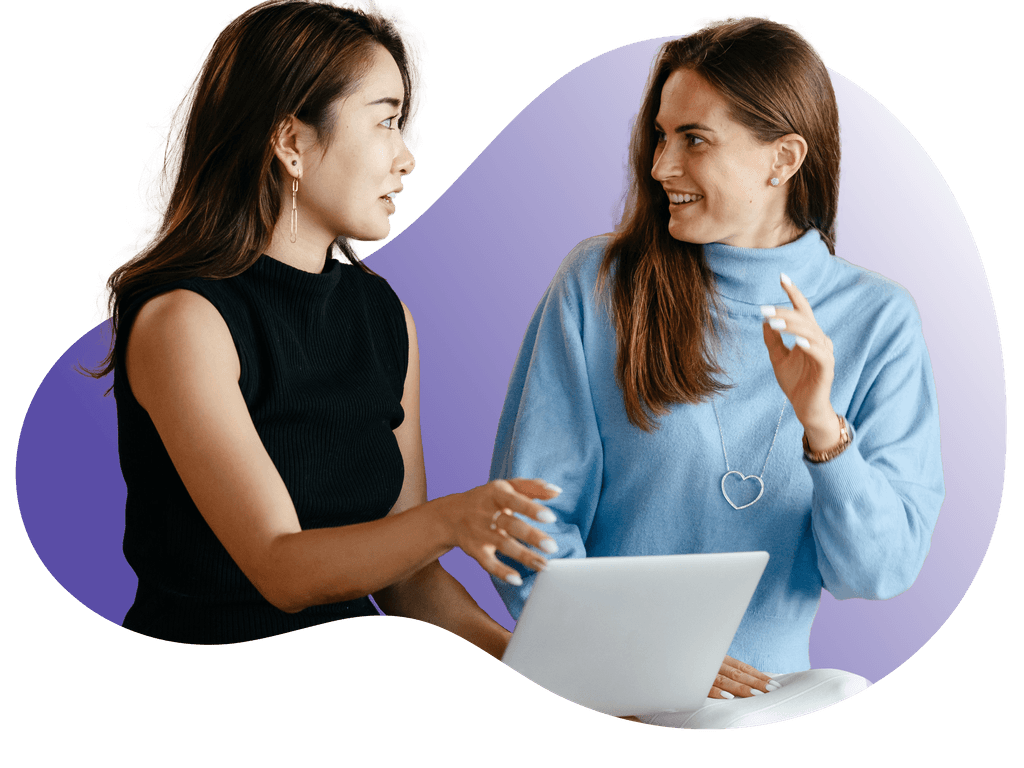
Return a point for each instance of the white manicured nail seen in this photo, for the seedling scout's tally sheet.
(727, 695)
(514, 579)
(771, 685)
(784, 278)
(802, 342)
(549, 546)
(552, 487)
(755, 692)
(546, 516)
(777, 323)
(768, 311)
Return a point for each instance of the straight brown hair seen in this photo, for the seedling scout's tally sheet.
(279, 59)
(663, 299)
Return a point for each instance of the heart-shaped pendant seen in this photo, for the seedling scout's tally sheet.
(743, 478)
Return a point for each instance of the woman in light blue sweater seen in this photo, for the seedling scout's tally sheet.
(712, 378)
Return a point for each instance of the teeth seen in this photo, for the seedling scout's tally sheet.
(684, 198)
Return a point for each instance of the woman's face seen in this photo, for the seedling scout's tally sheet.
(344, 189)
(715, 172)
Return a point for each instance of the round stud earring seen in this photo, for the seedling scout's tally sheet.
(295, 162)
(774, 182)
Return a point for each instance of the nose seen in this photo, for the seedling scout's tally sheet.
(404, 161)
(667, 163)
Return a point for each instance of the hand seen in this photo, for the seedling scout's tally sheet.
(481, 523)
(804, 372)
(736, 679)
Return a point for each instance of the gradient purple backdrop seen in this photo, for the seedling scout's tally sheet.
(472, 270)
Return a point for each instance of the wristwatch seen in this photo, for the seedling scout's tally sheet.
(819, 457)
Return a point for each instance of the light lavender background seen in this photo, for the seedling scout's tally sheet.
(472, 270)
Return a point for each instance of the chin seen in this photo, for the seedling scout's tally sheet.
(688, 234)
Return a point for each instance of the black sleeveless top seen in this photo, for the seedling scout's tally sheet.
(323, 362)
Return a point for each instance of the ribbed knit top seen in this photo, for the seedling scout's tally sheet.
(323, 359)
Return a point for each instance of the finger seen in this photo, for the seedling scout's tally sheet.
(512, 548)
(718, 693)
(506, 497)
(736, 688)
(729, 661)
(777, 350)
(798, 325)
(798, 300)
(485, 556)
(525, 532)
(751, 676)
(535, 488)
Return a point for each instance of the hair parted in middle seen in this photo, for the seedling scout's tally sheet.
(663, 299)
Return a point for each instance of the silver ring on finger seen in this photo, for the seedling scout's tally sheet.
(494, 519)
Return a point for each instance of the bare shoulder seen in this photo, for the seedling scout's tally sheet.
(177, 336)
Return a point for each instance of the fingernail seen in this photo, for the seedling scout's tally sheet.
(549, 546)
(514, 579)
(552, 487)
(777, 324)
(727, 695)
(755, 692)
(546, 516)
(768, 311)
(771, 685)
(539, 565)
(784, 279)
(802, 342)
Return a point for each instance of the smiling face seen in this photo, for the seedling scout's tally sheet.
(344, 188)
(715, 172)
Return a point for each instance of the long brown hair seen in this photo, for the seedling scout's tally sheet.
(281, 58)
(663, 298)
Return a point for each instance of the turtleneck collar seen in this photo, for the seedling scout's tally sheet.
(751, 275)
(284, 277)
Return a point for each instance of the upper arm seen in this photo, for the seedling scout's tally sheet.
(410, 442)
(183, 369)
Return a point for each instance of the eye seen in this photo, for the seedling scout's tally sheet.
(693, 141)
(391, 123)
(660, 134)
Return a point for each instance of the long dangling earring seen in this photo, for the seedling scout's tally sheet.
(295, 208)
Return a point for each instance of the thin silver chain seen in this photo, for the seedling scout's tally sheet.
(772, 446)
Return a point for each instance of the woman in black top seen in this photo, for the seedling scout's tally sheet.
(268, 395)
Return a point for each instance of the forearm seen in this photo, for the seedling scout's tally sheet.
(328, 565)
(872, 534)
(433, 595)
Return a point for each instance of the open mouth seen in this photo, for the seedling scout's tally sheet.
(682, 199)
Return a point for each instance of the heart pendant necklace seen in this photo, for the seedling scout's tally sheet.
(740, 475)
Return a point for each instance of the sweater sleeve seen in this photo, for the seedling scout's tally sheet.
(548, 427)
(875, 505)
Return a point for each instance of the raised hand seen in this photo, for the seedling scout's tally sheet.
(805, 371)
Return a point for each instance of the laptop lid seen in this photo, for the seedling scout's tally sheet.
(633, 635)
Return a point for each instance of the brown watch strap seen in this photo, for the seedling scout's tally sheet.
(819, 457)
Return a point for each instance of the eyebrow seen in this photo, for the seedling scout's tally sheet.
(688, 127)
(392, 101)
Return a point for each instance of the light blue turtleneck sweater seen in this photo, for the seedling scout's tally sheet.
(859, 525)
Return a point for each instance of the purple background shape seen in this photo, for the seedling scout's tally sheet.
(472, 270)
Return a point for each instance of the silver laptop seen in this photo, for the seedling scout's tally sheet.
(633, 635)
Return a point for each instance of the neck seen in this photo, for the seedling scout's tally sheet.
(308, 252)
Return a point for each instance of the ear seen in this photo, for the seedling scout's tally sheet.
(292, 142)
(790, 151)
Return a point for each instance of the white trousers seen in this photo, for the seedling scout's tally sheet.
(800, 693)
